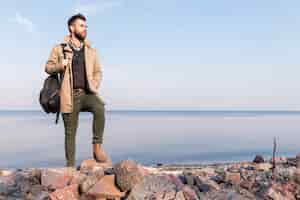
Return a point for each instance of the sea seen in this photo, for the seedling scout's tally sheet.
(30, 138)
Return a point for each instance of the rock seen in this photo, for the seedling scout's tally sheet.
(204, 184)
(246, 184)
(227, 195)
(5, 172)
(271, 193)
(263, 166)
(176, 181)
(280, 159)
(56, 178)
(90, 166)
(297, 175)
(179, 195)
(20, 183)
(286, 173)
(298, 160)
(90, 181)
(206, 171)
(232, 177)
(189, 193)
(128, 174)
(169, 195)
(106, 188)
(188, 178)
(259, 159)
(153, 183)
(66, 193)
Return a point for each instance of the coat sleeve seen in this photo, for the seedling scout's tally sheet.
(53, 64)
(98, 72)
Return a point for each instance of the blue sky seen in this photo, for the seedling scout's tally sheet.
(167, 54)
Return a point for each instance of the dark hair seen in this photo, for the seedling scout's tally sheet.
(73, 18)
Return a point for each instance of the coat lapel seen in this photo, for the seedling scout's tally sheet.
(88, 64)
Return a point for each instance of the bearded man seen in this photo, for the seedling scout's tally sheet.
(82, 75)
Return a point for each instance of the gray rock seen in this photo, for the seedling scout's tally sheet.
(205, 184)
(128, 174)
(259, 159)
(151, 184)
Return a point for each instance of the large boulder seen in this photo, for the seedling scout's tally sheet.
(150, 184)
(128, 174)
(57, 178)
(68, 192)
(105, 188)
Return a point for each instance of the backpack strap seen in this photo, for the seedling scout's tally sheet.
(60, 80)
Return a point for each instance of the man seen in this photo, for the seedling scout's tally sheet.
(82, 75)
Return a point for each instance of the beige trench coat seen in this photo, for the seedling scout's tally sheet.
(93, 72)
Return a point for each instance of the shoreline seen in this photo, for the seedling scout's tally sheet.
(130, 180)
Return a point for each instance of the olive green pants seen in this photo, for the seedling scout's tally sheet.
(83, 102)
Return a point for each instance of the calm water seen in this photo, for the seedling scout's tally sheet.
(32, 139)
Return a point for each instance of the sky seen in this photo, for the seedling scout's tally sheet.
(162, 55)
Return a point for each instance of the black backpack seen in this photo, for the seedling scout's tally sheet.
(49, 95)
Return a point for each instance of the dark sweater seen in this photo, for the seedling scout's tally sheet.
(78, 69)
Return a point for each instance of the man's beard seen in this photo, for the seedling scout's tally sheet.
(79, 36)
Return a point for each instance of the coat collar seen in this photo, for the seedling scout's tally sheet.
(86, 41)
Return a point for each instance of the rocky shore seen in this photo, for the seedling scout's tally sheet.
(127, 179)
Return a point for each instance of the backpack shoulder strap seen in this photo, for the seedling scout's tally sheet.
(60, 79)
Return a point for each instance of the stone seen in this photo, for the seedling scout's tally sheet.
(67, 193)
(128, 174)
(4, 172)
(206, 171)
(232, 177)
(246, 184)
(259, 159)
(188, 177)
(298, 160)
(189, 193)
(153, 183)
(106, 188)
(297, 175)
(204, 184)
(169, 195)
(89, 166)
(179, 195)
(176, 181)
(90, 181)
(56, 178)
(273, 194)
(263, 166)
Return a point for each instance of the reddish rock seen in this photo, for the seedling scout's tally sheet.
(169, 195)
(67, 193)
(233, 177)
(263, 166)
(246, 184)
(90, 166)
(55, 178)
(176, 180)
(189, 193)
(128, 174)
(90, 181)
(78, 178)
(106, 188)
(204, 184)
(206, 171)
(179, 195)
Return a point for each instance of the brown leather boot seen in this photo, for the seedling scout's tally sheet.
(98, 153)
